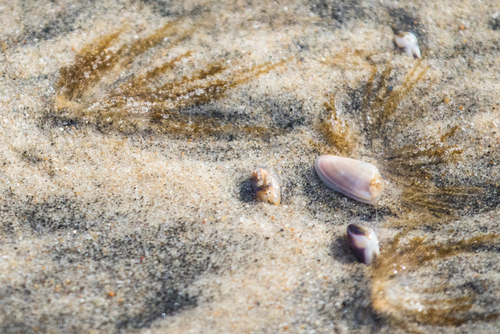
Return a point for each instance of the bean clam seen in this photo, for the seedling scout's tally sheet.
(356, 179)
(265, 186)
(408, 41)
(364, 242)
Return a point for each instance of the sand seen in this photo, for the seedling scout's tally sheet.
(129, 131)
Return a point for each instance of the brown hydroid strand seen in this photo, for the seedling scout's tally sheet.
(337, 131)
(157, 105)
(213, 90)
(184, 86)
(441, 200)
(443, 288)
(157, 37)
(321, 148)
(368, 94)
(392, 99)
(413, 255)
(349, 58)
(202, 93)
(415, 161)
(96, 59)
(430, 148)
(382, 93)
(168, 94)
(162, 115)
(139, 85)
(417, 219)
(381, 103)
(435, 150)
(90, 64)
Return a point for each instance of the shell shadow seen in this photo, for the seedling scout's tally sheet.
(245, 191)
(341, 252)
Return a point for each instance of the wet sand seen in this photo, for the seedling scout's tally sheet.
(129, 131)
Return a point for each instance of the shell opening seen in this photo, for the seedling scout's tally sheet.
(376, 185)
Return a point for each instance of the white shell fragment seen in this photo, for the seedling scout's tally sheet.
(356, 179)
(408, 41)
(364, 242)
(265, 186)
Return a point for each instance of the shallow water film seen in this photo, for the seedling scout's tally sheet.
(129, 131)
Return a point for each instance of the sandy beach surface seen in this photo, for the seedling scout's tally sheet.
(129, 131)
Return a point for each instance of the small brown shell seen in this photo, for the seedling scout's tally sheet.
(265, 186)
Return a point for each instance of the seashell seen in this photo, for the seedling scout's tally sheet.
(356, 179)
(265, 186)
(364, 242)
(408, 41)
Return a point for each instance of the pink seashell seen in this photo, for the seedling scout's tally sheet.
(356, 179)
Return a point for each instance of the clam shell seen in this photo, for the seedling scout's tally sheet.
(356, 179)
(364, 242)
(265, 186)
